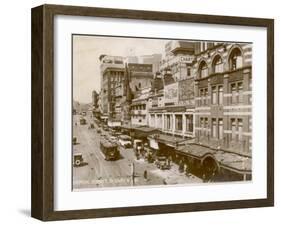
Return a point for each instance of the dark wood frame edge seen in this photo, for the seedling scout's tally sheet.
(42, 197)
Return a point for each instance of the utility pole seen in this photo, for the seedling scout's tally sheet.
(133, 173)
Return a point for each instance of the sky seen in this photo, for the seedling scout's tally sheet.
(86, 64)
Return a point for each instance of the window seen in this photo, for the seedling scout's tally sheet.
(201, 101)
(188, 71)
(159, 121)
(169, 122)
(233, 129)
(179, 122)
(202, 125)
(203, 96)
(189, 123)
(240, 129)
(220, 88)
(233, 93)
(214, 128)
(206, 127)
(220, 128)
(235, 60)
(240, 92)
(217, 64)
(237, 129)
(203, 70)
(214, 95)
(152, 123)
(236, 92)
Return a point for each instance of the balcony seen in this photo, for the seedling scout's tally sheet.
(139, 112)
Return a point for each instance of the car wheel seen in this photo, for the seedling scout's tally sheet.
(77, 162)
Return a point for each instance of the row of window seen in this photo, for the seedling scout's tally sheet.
(235, 62)
(217, 94)
(168, 122)
(116, 78)
(138, 116)
(139, 107)
(217, 130)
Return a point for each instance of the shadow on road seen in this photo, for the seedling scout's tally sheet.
(82, 164)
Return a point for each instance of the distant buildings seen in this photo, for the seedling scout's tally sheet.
(95, 99)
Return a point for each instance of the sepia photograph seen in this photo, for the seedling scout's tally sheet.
(160, 112)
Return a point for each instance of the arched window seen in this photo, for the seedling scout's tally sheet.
(235, 59)
(203, 70)
(217, 64)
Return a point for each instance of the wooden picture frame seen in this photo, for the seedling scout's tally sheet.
(42, 203)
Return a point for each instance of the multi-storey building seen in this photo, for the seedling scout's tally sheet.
(179, 57)
(139, 108)
(112, 70)
(172, 109)
(224, 97)
(95, 98)
(211, 104)
(140, 76)
(153, 59)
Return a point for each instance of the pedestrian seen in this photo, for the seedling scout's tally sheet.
(145, 175)
(187, 170)
(169, 161)
(181, 166)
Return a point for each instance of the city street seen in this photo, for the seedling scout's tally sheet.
(97, 172)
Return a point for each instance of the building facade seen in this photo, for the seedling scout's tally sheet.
(139, 108)
(172, 108)
(95, 99)
(223, 97)
(179, 57)
(112, 70)
(140, 76)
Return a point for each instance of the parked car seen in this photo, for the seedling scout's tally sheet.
(83, 121)
(74, 140)
(125, 141)
(149, 153)
(98, 130)
(105, 128)
(138, 147)
(113, 139)
(77, 159)
(162, 162)
(103, 135)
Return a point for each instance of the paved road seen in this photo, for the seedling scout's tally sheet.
(97, 172)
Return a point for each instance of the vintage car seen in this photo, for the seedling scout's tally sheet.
(125, 141)
(138, 147)
(113, 139)
(149, 153)
(83, 121)
(74, 140)
(77, 159)
(162, 162)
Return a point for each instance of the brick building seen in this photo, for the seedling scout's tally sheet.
(223, 97)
